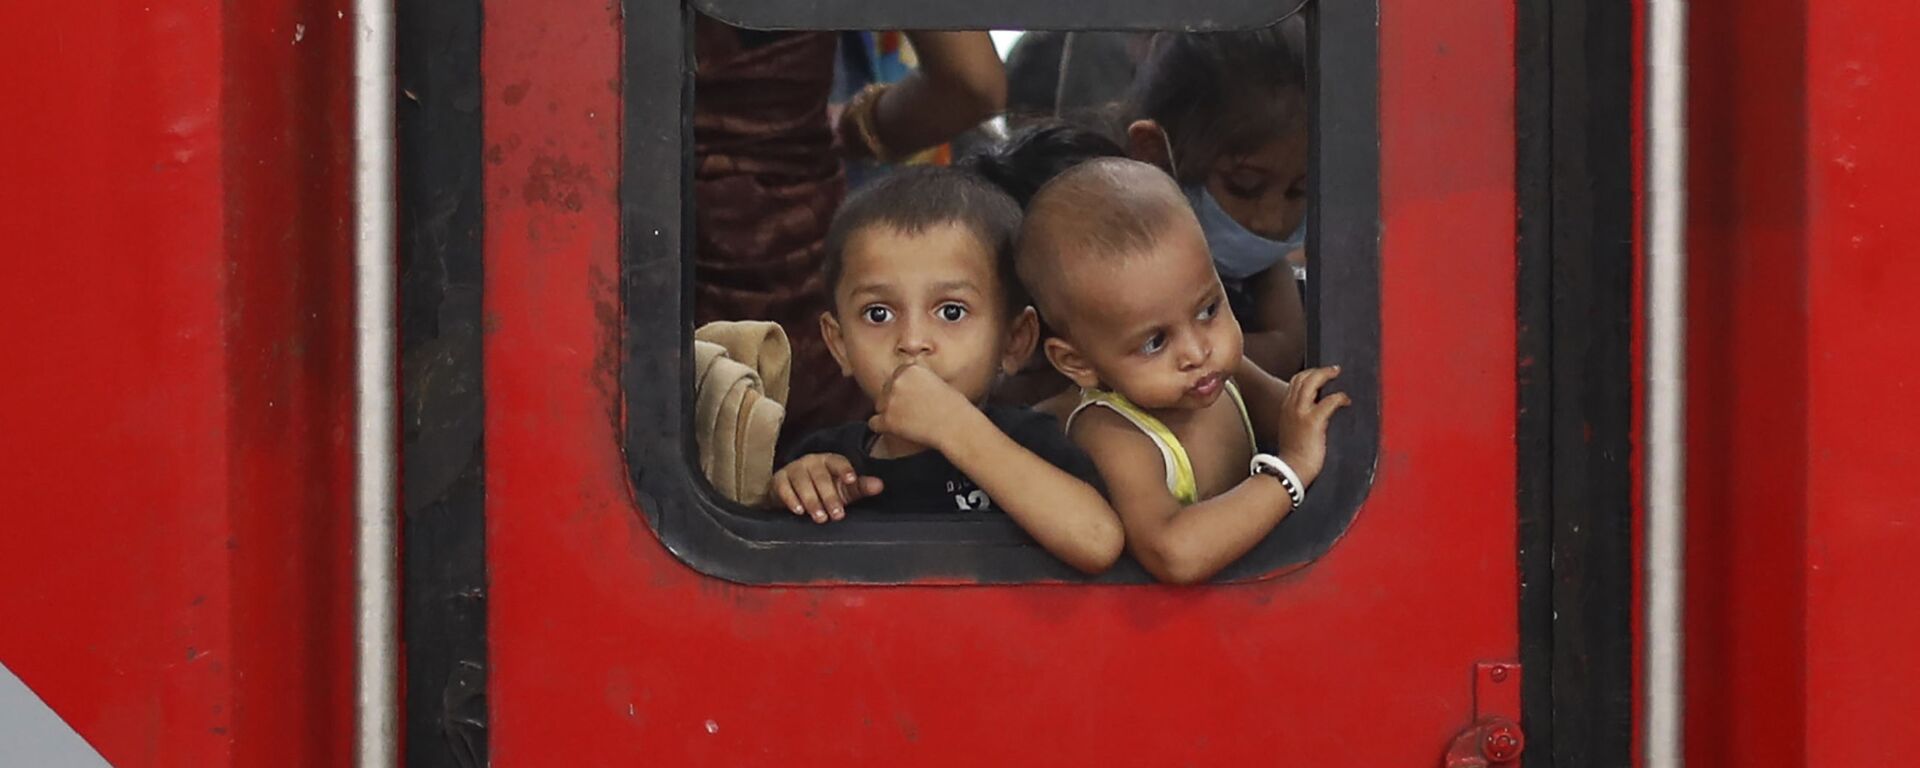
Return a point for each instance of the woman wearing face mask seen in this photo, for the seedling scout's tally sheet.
(1226, 114)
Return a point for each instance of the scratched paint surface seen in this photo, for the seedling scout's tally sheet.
(171, 422)
(608, 651)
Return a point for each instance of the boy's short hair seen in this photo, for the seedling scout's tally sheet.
(1106, 209)
(916, 199)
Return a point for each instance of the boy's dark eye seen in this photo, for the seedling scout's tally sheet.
(1154, 344)
(1212, 309)
(951, 313)
(877, 314)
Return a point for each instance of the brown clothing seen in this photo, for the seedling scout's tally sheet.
(766, 184)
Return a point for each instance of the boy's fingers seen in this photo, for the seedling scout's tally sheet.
(878, 423)
(783, 489)
(865, 487)
(808, 497)
(824, 483)
(886, 390)
(840, 467)
(823, 499)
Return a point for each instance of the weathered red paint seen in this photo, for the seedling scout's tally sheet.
(1803, 510)
(608, 651)
(1863, 374)
(173, 418)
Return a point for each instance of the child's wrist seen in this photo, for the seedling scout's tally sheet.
(1305, 471)
(964, 434)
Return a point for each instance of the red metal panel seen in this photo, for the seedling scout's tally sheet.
(1863, 383)
(174, 318)
(1803, 526)
(1747, 389)
(288, 305)
(608, 651)
(117, 601)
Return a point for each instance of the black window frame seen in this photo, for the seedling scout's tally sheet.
(724, 540)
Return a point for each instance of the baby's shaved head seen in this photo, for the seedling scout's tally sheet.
(1099, 212)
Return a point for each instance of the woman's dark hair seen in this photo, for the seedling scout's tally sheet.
(1222, 93)
(1034, 155)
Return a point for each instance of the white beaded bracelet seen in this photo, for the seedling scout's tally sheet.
(1269, 464)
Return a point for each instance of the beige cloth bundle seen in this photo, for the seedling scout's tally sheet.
(759, 345)
(741, 374)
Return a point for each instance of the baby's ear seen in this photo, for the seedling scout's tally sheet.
(837, 346)
(1022, 334)
(1070, 363)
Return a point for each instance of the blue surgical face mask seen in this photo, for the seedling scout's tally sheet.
(1238, 253)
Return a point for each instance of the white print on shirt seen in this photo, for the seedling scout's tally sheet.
(975, 501)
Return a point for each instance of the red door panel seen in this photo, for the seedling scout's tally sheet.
(609, 651)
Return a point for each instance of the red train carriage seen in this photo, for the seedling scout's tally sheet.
(179, 435)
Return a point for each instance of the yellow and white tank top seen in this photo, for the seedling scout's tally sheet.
(1180, 479)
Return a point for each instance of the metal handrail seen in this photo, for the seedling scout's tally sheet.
(376, 474)
(1663, 706)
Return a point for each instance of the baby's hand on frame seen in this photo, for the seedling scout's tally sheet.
(1303, 421)
(821, 485)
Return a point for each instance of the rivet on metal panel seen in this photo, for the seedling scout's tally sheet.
(1494, 738)
(1489, 743)
(1502, 741)
(1496, 691)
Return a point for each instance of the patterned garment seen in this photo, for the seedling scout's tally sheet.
(766, 183)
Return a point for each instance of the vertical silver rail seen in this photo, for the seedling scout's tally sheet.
(376, 628)
(1664, 571)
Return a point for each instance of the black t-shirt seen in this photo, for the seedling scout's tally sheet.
(927, 482)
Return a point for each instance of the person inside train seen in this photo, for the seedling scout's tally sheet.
(926, 313)
(1169, 409)
(1226, 114)
(1249, 178)
(768, 174)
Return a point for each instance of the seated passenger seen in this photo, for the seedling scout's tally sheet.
(926, 314)
(1169, 409)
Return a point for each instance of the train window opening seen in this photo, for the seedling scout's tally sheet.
(790, 227)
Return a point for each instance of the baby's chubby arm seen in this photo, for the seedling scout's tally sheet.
(1178, 545)
(1062, 512)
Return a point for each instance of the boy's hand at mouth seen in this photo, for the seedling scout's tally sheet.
(918, 407)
